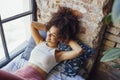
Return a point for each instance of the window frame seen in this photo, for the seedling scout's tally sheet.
(22, 47)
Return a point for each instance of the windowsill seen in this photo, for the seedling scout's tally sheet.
(14, 54)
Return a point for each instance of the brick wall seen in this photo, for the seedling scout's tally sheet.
(92, 16)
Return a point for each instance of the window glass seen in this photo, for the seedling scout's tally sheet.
(16, 32)
(1, 50)
(10, 8)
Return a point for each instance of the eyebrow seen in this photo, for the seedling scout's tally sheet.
(53, 33)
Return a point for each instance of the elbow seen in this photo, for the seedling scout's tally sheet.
(79, 51)
(32, 24)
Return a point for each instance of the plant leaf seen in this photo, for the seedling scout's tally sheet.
(111, 54)
(105, 52)
(108, 19)
(116, 13)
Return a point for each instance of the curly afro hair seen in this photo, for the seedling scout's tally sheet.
(66, 20)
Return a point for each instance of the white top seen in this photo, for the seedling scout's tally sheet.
(43, 56)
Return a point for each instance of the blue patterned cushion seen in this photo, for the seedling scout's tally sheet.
(72, 67)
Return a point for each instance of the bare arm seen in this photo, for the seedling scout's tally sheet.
(66, 55)
(35, 27)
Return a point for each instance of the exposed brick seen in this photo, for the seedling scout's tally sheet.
(108, 43)
(89, 10)
(112, 37)
(114, 30)
(118, 45)
(57, 1)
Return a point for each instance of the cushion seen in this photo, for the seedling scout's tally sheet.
(57, 75)
(70, 67)
(15, 64)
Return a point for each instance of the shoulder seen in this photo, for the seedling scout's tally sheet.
(41, 42)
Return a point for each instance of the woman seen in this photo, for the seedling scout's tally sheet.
(63, 26)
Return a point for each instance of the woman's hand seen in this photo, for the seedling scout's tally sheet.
(38, 26)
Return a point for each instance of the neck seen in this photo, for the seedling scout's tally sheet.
(52, 45)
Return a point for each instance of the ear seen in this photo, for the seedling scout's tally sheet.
(59, 39)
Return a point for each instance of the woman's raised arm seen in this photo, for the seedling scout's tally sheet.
(35, 27)
(66, 55)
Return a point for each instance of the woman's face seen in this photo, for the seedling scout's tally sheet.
(52, 35)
